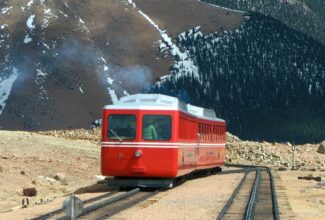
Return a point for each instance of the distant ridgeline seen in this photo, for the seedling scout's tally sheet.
(307, 16)
(265, 79)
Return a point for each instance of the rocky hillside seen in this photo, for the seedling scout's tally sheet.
(275, 155)
(62, 60)
(272, 154)
(264, 78)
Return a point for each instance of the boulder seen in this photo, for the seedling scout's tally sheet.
(310, 177)
(1, 169)
(288, 144)
(283, 168)
(60, 177)
(321, 148)
(29, 191)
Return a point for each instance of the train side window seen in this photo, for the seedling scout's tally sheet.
(217, 133)
(200, 129)
(156, 127)
(208, 133)
(121, 127)
(211, 133)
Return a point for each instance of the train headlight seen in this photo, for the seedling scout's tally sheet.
(138, 153)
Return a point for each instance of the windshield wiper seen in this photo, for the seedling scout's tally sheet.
(116, 135)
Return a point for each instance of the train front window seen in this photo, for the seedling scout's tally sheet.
(156, 127)
(121, 127)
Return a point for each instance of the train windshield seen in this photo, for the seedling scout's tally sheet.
(156, 127)
(121, 127)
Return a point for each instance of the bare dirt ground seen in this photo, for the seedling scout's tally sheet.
(32, 160)
(301, 199)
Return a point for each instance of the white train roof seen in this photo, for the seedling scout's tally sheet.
(162, 102)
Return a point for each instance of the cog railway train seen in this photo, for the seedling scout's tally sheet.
(151, 139)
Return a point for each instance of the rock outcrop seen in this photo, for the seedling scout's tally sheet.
(321, 148)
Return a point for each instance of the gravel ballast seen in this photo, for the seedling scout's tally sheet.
(201, 198)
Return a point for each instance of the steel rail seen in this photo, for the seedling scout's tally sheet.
(252, 199)
(60, 210)
(274, 198)
(109, 201)
(231, 200)
(275, 207)
(128, 205)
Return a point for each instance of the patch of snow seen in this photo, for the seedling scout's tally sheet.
(224, 8)
(48, 14)
(64, 14)
(81, 21)
(125, 93)
(3, 26)
(162, 46)
(66, 5)
(82, 25)
(40, 81)
(40, 73)
(106, 68)
(185, 63)
(27, 39)
(132, 3)
(22, 8)
(30, 3)
(45, 23)
(30, 22)
(47, 11)
(103, 59)
(81, 91)
(110, 80)
(6, 10)
(113, 95)
(5, 88)
(45, 45)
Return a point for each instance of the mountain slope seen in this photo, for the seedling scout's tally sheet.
(266, 79)
(65, 59)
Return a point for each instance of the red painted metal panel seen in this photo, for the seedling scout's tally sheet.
(154, 162)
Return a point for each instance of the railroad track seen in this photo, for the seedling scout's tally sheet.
(103, 206)
(254, 197)
(118, 206)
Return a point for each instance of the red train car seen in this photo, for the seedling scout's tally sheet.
(151, 139)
